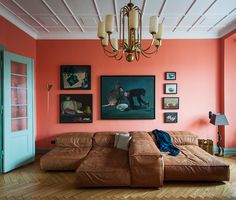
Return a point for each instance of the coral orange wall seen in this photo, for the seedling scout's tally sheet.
(197, 63)
(229, 89)
(15, 40)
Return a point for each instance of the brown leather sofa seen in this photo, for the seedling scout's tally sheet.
(98, 163)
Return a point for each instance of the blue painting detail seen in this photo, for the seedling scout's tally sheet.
(127, 97)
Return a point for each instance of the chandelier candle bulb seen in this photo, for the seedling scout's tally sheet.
(101, 30)
(153, 26)
(109, 23)
(114, 43)
(133, 19)
(160, 31)
(105, 40)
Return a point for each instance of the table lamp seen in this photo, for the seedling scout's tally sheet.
(219, 120)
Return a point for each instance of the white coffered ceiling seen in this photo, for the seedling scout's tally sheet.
(77, 19)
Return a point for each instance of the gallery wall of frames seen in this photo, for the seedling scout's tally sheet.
(121, 97)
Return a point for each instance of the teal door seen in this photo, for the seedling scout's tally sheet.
(18, 143)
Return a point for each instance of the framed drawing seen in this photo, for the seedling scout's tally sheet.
(170, 103)
(170, 75)
(170, 88)
(75, 77)
(76, 108)
(127, 97)
(171, 117)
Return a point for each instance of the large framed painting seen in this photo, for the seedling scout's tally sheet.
(127, 97)
(76, 108)
(75, 77)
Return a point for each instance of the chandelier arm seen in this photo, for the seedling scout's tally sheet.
(137, 55)
(113, 48)
(106, 52)
(145, 55)
(152, 52)
(150, 45)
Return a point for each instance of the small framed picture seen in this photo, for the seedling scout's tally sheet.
(171, 117)
(170, 76)
(170, 88)
(170, 103)
(75, 77)
(76, 108)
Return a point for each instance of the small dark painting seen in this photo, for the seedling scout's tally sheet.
(75, 77)
(76, 108)
(171, 117)
(170, 76)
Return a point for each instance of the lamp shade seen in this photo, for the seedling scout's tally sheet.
(219, 120)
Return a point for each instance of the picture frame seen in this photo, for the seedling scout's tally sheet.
(76, 108)
(127, 97)
(75, 77)
(170, 75)
(170, 117)
(170, 102)
(170, 88)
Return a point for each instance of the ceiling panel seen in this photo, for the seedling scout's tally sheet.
(195, 12)
(153, 7)
(106, 7)
(34, 7)
(82, 7)
(13, 7)
(221, 7)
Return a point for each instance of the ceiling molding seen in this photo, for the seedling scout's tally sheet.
(231, 27)
(18, 22)
(92, 36)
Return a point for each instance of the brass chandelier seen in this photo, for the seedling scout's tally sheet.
(130, 35)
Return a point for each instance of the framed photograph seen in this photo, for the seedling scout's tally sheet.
(171, 117)
(170, 103)
(76, 108)
(170, 88)
(127, 97)
(75, 77)
(170, 76)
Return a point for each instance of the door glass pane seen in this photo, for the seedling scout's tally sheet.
(18, 68)
(18, 96)
(18, 111)
(18, 124)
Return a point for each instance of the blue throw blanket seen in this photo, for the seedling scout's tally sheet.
(164, 142)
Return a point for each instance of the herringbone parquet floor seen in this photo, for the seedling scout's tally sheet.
(30, 183)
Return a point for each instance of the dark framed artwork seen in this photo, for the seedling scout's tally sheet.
(75, 77)
(127, 97)
(170, 102)
(170, 75)
(170, 88)
(170, 117)
(76, 108)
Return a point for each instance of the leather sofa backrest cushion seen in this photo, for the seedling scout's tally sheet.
(76, 139)
(183, 138)
(105, 138)
(140, 135)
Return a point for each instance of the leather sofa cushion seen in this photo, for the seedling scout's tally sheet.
(180, 137)
(146, 164)
(76, 139)
(106, 138)
(140, 135)
(63, 158)
(183, 138)
(194, 164)
(104, 167)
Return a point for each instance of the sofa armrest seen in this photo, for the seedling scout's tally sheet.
(146, 164)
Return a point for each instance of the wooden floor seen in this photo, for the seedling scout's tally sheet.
(29, 182)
